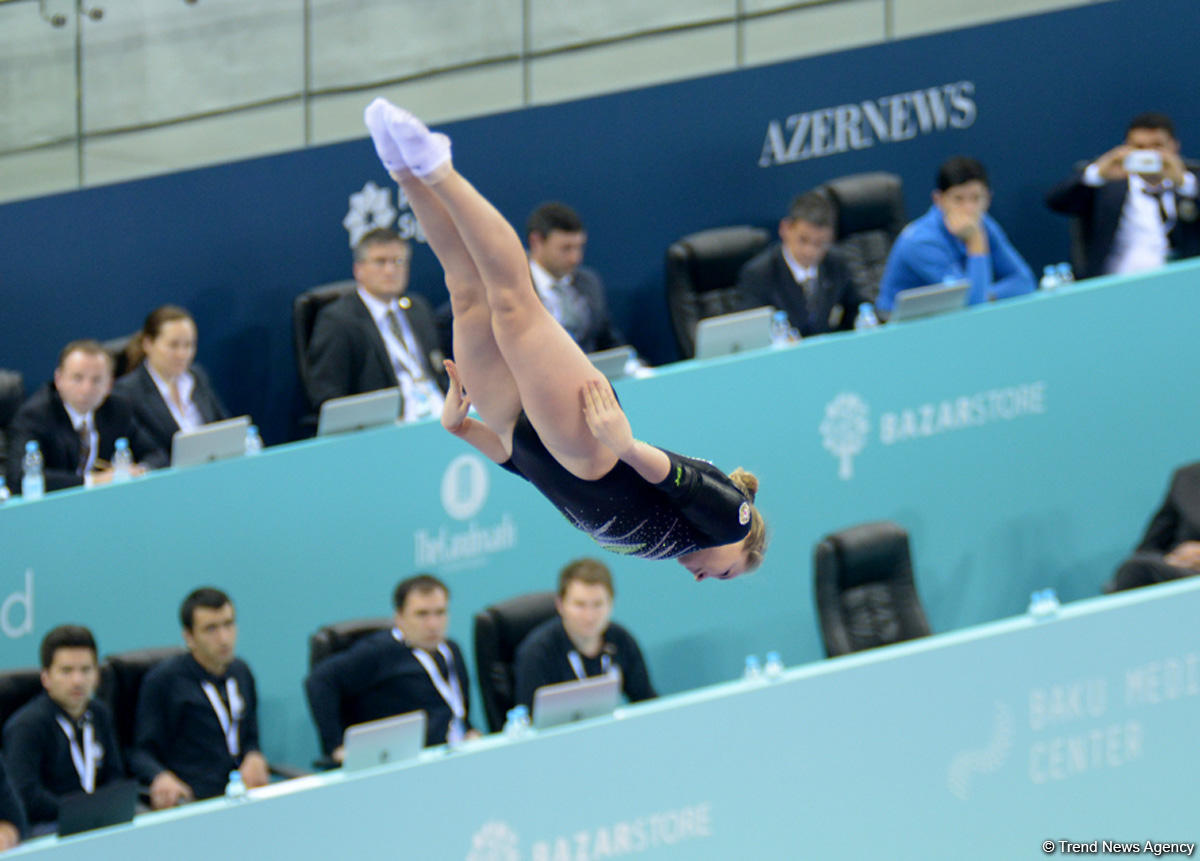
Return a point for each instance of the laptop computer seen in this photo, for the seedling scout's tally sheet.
(734, 333)
(356, 412)
(377, 742)
(919, 302)
(571, 701)
(612, 363)
(215, 441)
(111, 804)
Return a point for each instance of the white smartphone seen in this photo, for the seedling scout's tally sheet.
(1144, 161)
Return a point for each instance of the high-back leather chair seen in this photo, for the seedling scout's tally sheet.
(339, 636)
(305, 308)
(12, 395)
(870, 215)
(499, 629)
(17, 687)
(118, 348)
(865, 593)
(702, 273)
(121, 678)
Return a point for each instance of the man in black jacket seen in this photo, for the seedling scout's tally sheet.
(76, 423)
(378, 336)
(799, 275)
(1136, 204)
(62, 741)
(1170, 549)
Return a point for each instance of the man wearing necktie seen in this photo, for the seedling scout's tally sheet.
(572, 293)
(76, 420)
(63, 741)
(411, 667)
(1136, 205)
(378, 336)
(800, 275)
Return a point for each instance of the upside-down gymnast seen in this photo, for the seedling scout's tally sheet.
(547, 414)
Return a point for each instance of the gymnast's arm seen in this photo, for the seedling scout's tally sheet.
(609, 424)
(469, 430)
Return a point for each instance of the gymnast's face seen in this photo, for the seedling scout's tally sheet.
(723, 562)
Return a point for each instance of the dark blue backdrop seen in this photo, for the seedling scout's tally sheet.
(235, 243)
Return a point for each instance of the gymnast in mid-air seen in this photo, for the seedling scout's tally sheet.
(546, 413)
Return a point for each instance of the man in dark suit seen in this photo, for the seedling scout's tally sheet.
(1170, 549)
(1137, 217)
(76, 423)
(573, 293)
(413, 666)
(376, 337)
(799, 275)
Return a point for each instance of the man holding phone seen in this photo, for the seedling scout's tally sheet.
(1136, 204)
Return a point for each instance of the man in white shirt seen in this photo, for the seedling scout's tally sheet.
(76, 423)
(377, 336)
(1136, 204)
(572, 293)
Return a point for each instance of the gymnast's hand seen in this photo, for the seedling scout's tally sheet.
(454, 411)
(605, 418)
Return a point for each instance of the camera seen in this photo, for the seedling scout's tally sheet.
(1144, 161)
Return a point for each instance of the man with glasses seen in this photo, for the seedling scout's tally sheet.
(956, 240)
(378, 337)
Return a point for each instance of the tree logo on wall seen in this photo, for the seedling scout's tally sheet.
(372, 208)
(844, 430)
(464, 487)
(495, 841)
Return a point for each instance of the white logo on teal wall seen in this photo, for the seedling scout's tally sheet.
(495, 841)
(16, 611)
(369, 209)
(464, 487)
(984, 760)
(845, 429)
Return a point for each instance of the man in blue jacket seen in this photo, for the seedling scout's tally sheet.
(956, 240)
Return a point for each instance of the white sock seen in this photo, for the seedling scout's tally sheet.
(425, 153)
(375, 116)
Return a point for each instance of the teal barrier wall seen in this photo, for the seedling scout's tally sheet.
(1023, 444)
(982, 744)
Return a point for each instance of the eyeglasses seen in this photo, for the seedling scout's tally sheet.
(400, 262)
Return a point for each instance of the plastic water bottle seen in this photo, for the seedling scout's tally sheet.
(235, 789)
(1043, 604)
(781, 329)
(1066, 275)
(33, 484)
(1050, 279)
(867, 318)
(773, 668)
(122, 462)
(4, 494)
(516, 722)
(753, 671)
(254, 443)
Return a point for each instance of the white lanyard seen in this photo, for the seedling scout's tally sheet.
(84, 760)
(606, 664)
(408, 349)
(229, 722)
(449, 688)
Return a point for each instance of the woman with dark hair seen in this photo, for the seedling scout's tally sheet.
(547, 414)
(169, 392)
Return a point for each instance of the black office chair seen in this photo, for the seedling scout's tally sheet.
(870, 215)
(118, 348)
(17, 687)
(864, 587)
(305, 308)
(12, 395)
(121, 678)
(499, 629)
(329, 640)
(702, 273)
